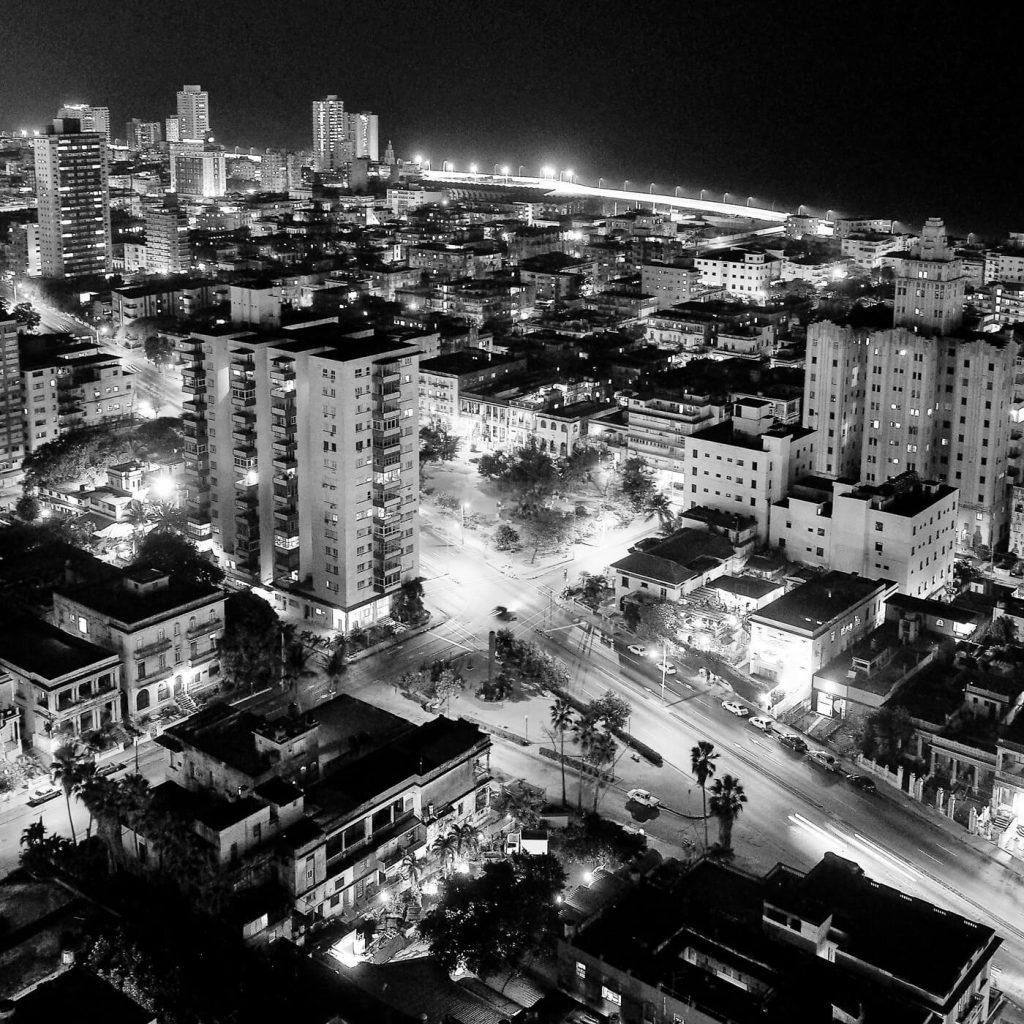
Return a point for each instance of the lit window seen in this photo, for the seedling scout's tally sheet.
(612, 997)
(581, 970)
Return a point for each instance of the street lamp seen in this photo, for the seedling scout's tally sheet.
(472, 168)
(600, 182)
(664, 667)
(526, 726)
(624, 185)
(650, 191)
(504, 171)
(749, 200)
(725, 197)
(520, 171)
(676, 191)
(496, 169)
(702, 191)
(417, 159)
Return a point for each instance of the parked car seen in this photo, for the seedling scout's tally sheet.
(643, 798)
(667, 667)
(823, 760)
(637, 649)
(793, 742)
(735, 708)
(764, 724)
(506, 614)
(863, 782)
(44, 794)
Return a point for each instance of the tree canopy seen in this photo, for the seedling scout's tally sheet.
(177, 556)
(250, 650)
(486, 923)
(438, 445)
(528, 475)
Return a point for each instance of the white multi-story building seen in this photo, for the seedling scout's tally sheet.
(746, 274)
(870, 251)
(197, 173)
(904, 529)
(925, 395)
(166, 632)
(362, 135)
(301, 466)
(863, 225)
(193, 113)
(659, 422)
(92, 119)
(167, 249)
(331, 147)
(73, 199)
(747, 463)
(1006, 264)
(669, 283)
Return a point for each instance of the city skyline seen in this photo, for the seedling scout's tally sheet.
(802, 109)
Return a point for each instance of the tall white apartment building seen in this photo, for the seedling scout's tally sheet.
(92, 119)
(73, 199)
(331, 147)
(302, 468)
(193, 113)
(924, 396)
(362, 134)
(747, 463)
(167, 249)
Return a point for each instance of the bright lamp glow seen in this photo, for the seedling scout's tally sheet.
(462, 868)
(472, 168)
(162, 487)
(504, 170)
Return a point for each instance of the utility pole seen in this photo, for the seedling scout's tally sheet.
(664, 667)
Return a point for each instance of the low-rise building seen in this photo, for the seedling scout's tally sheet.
(741, 272)
(443, 378)
(556, 277)
(165, 631)
(794, 636)
(904, 529)
(868, 250)
(670, 283)
(180, 298)
(64, 687)
(707, 942)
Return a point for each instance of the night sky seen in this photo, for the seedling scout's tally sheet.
(894, 109)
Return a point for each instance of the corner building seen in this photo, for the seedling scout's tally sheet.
(925, 396)
(302, 469)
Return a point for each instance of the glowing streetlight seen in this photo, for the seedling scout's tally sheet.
(504, 170)
(521, 168)
(472, 168)
(417, 159)
(569, 175)
(702, 191)
(750, 199)
(547, 172)
(162, 487)
(625, 185)
(650, 191)
(725, 197)
(600, 182)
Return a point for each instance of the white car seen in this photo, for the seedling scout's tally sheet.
(643, 798)
(823, 760)
(735, 709)
(667, 667)
(637, 650)
(764, 724)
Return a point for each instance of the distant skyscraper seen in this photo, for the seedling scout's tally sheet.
(331, 146)
(362, 136)
(389, 154)
(172, 129)
(93, 119)
(193, 113)
(74, 200)
(140, 134)
(12, 416)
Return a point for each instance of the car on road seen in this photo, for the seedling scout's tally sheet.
(764, 724)
(44, 794)
(643, 798)
(735, 708)
(793, 742)
(506, 614)
(637, 649)
(667, 667)
(108, 769)
(863, 782)
(823, 760)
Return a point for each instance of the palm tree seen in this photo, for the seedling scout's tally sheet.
(466, 838)
(104, 800)
(411, 870)
(585, 732)
(727, 800)
(295, 666)
(165, 517)
(136, 515)
(658, 505)
(702, 764)
(84, 778)
(67, 762)
(602, 754)
(336, 663)
(444, 847)
(562, 720)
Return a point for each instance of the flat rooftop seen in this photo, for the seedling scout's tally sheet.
(42, 650)
(821, 600)
(469, 360)
(129, 606)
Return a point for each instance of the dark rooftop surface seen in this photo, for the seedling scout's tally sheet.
(415, 753)
(938, 609)
(340, 344)
(726, 433)
(129, 606)
(79, 995)
(214, 812)
(46, 651)
(677, 558)
(821, 600)
(467, 360)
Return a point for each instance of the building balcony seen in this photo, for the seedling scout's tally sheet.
(281, 430)
(285, 463)
(198, 528)
(382, 549)
(386, 408)
(385, 529)
(157, 675)
(156, 647)
(385, 584)
(387, 499)
(246, 545)
(193, 386)
(206, 626)
(287, 524)
(243, 398)
(285, 540)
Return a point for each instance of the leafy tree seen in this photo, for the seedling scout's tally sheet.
(548, 528)
(727, 800)
(26, 315)
(593, 840)
(487, 923)
(601, 756)
(635, 484)
(179, 557)
(702, 764)
(1003, 630)
(563, 718)
(887, 732)
(336, 662)
(66, 769)
(70, 457)
(448, 684)
(577, 468)
(438, 445)
(250, 649)
(159, 349)
(522, 802)
(411, 870)
(529, 475)
(500, 687)
(407, 603)
(296, 664)
(447, 502)
(653, 620)
(165, 517)
(27, 508)
(506, 537)
(136, 516)
(610, 711)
